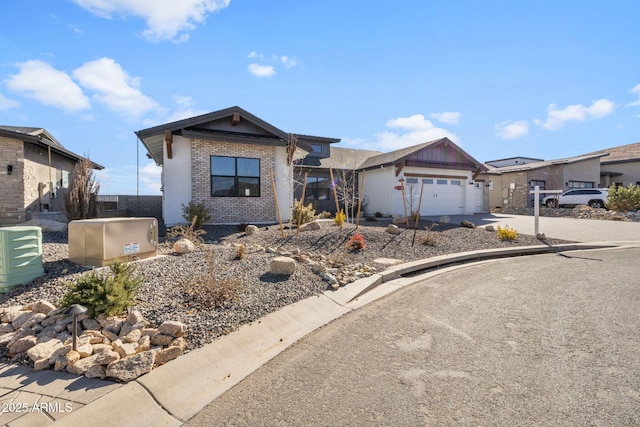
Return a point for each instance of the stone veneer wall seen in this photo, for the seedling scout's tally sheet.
(11, 186)
(233, 209)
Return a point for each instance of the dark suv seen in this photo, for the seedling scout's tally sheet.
(594, 197)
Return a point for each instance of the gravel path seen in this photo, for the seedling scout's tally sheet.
(168, 279)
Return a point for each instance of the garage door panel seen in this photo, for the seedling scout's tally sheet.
(442, 197)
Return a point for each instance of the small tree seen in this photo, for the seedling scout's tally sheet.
(196, 214)
(81, 202)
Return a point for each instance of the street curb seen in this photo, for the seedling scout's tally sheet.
(175, 392)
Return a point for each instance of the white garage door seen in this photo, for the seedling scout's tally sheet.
(442, 196)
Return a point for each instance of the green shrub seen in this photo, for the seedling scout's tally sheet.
(467, 224)
(196, 214)
(107, 294)
(507, 233)
(308, 212)
(624, 199)
(340, 218)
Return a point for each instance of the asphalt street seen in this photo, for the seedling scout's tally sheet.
(539, 340)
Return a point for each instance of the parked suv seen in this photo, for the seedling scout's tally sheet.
(594, 197)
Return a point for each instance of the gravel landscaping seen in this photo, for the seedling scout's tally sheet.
(168, 287)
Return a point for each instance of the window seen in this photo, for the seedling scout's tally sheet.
(427, 181)
(317, 188)
(235, 177)
(456, 182)
(316, 148)
(441, 182)
(412, 180)
(580, 184)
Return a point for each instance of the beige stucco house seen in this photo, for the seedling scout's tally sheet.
(35, 173)
(621, 166)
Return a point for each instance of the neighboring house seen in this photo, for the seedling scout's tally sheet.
(621, 167)
(35, 172)
(231, 161)
(446, 175)
(512, 161)
(343, 163)
(510, 186)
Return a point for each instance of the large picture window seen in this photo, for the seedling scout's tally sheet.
(235, 177)
(317, 188)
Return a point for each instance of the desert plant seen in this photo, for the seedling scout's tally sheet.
(324, 215)
(107, 294)
(188, 232)
(415, 216)
(378, 214)
(209, 291)
(196, 214)
(81, 201)
(356, 242)
(507, 233)
(241, 251)
(340, 218)
(624, 199)
(308, 212)
(428, 238)
(467, 224)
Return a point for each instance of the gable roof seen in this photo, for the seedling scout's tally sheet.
(620, 154)
(340, 158)
(199, 127)
(42, 138)
(544, 164)
(398, 156)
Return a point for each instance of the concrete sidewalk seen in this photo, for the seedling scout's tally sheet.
(173, 393)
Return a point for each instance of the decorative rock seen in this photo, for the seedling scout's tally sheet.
(33, 320)
(109, 335)
(6, 327)
(85, 350)
(172, 328)
(72, 357)
(179, 342)
(144, 343)
(393, 229)
(183, 246)
(282, 266)
(167, 354)
(133, 336)
(22, 318)
(251, 229)
(42, 306)
(91, 324)
(328, 277)
(106, 357)
(99, 348)
(161, 339)
(130, 368)
(10, 313)
(44, 349)
(399, 219)
(489, 228)
(82, 365)
(135, 317)
(310, 226)
(22, 344)
(41, 364)
(126, 328)
(125, 349)
(96, 371)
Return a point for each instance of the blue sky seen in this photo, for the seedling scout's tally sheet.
(545, 79)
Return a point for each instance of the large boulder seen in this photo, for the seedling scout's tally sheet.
(310, 226)
(251, 229)
(282, 266)
(172, 328)
(184, 246)
(131, 367)
(393, 229)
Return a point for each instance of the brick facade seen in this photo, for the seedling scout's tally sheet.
(11, 186)
(233, 209)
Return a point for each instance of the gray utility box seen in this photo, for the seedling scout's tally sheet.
(98, 242)
(20, 256)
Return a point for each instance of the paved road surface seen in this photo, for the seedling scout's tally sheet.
(543, 340)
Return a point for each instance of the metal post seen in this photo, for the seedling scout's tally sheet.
(536, 208)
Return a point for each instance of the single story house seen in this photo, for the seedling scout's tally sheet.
(35, 174)
(621, 167)
(512, 161)
(447, 177)
(239, 166)
(510, 186)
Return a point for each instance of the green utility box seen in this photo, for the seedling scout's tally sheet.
(20, 256)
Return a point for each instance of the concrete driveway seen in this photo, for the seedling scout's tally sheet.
(541, 340)
(572, 229)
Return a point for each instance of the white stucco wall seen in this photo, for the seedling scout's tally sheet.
(283, 175)
(176, 181)
(378, 191)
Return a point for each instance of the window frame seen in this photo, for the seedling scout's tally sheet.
(236, 177)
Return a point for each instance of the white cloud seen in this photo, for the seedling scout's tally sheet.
(184, 110)
(255, 55)
(122, 179)
(413, 130)
(114, 87)
(556, 118)
(40, 81)
(512, 130)
(448, 117)
(288, 62)
(259, 70)
(6, 103)
(636, 91)
(166, 19)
